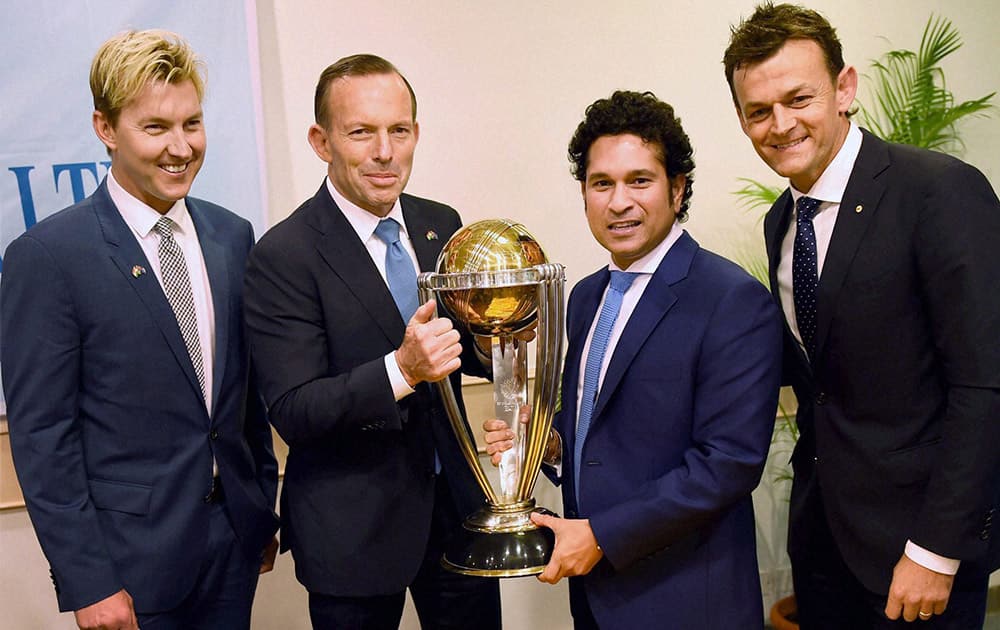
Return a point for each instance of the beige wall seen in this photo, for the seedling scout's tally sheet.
(501, 86)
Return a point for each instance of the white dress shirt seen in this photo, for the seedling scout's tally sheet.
(140, 219)
(364, 223)
(829, 189)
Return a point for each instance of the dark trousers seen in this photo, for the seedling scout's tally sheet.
(223, 594)
(444, 600)
(829, 597)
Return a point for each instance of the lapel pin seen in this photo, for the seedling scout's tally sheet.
(431, 235)
(138, 270)
(859, 208)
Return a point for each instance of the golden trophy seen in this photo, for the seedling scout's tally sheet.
(492, 278)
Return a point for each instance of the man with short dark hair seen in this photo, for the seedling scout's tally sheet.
(669, 395)
(884, 260)
(375, 482)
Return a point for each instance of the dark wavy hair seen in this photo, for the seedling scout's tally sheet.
(757, 38)
(642, 115)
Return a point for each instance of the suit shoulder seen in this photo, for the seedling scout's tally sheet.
(722, 272)
(430, 206)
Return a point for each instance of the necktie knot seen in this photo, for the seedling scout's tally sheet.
(388, 231)
(806, 207)
(164, 227)
(622, 280)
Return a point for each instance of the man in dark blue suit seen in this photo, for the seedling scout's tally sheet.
(144, 457)
(884, 260)
(668, 397)
(375, 482)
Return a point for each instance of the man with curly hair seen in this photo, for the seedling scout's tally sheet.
(669, 395)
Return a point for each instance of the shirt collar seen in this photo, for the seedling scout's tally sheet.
(651, 261)
(364, 222)
(139, 216)
(833, 182)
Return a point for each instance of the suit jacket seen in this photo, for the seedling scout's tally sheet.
(899, 411)
(678, 440)
(111, 439)
(359, 481)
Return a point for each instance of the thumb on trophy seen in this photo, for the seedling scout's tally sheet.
(424, 313)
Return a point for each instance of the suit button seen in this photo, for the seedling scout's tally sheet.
(214, 435)
(821, 398)
(570, 514)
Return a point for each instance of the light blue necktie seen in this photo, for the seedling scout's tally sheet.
(620, 282)
(399, 271)
(402, 279)
(805, 278)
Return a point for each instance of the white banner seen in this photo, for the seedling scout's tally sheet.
(49, 155)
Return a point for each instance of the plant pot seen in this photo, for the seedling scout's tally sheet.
(784, 614)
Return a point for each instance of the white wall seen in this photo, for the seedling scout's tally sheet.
(502, 85)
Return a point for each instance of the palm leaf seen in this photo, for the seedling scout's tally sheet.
(911, 103)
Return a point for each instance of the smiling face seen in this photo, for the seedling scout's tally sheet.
(630, 201)
(369, 139)
(157, 145)
(793, 112)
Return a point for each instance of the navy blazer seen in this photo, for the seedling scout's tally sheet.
(111, 439)
(678, 440)
(899, 410)
(359, 482)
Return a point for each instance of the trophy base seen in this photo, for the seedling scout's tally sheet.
(502, 551)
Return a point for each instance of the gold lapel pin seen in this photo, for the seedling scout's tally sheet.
(858, 208)
(431, 235)
(138, 270)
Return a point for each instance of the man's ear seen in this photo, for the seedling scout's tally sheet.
(105, 131)
(847, 88)
(319, 143)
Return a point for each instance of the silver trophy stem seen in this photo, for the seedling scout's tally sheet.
(510, 394)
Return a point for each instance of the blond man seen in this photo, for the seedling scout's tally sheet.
(145, 460)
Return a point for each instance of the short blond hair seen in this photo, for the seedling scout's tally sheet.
(125, 64)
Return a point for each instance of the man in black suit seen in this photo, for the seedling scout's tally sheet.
(884, 260)
(375, 482)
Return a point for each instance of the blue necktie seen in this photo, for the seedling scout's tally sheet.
(620, 282)
(399, 271)
(805, 276)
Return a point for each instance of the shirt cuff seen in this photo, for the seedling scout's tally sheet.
(930, 560)
(400, 388)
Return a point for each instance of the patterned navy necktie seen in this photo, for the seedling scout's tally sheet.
(805, 276)
(177, 287)
(620, 283)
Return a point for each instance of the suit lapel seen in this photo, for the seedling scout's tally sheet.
(127, 254)
(857, 210)
(347, 256)
(217, 264)
(653, 306)
(586, 299)
(423, 236)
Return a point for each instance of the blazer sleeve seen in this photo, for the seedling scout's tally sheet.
(737, 374)
(290, 350)
(959, 265)
(41, 354)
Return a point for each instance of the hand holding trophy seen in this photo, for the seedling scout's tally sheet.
(493, 278)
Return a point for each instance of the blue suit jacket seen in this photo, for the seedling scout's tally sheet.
(111, 439)
(678, 440)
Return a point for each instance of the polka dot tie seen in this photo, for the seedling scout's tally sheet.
(805, 277)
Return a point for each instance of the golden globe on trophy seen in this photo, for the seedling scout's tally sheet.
(493, 278)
